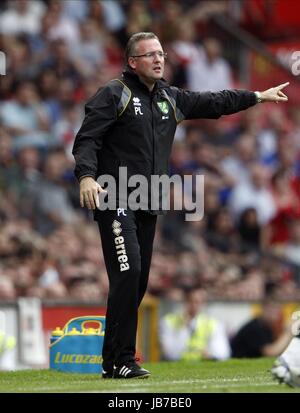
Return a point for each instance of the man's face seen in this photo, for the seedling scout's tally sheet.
(195, 301)
(148, 68)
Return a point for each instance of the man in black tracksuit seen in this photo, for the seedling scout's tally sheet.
(131, 123)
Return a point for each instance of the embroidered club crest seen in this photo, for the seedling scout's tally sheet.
(163, 106)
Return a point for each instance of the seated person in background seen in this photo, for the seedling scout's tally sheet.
(191, 334)
(258, 338)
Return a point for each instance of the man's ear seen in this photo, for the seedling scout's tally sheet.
(132, 62)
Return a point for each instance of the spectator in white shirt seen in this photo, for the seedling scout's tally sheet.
(244, 154)
(254, 194)
(208, 70)
(22, 16)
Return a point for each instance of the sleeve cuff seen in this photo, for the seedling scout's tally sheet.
(258, 97)
(85, 176)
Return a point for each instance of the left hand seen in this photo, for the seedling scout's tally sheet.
(275, 94)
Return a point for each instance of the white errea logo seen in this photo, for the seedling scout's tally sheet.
(121, 253)
(137, 106)
(120, 246)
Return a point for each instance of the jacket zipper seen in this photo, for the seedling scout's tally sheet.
(153, 134)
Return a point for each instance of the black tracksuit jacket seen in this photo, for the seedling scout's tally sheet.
(127, 125)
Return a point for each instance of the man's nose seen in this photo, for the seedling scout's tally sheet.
(158, 57)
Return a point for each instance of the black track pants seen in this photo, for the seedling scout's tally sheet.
(127, 242)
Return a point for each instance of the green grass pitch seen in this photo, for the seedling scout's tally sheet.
(232, 376)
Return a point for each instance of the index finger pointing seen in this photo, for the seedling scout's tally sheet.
(283, 85)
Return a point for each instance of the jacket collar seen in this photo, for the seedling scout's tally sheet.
(132, 78)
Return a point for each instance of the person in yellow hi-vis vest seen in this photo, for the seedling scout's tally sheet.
(191, 334)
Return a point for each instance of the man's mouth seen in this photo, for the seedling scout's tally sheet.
(157, 69)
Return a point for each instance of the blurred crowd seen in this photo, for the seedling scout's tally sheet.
(58, 53)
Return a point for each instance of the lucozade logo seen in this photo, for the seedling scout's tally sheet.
(78, 358)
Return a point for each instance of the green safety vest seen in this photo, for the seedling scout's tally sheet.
(200, 337)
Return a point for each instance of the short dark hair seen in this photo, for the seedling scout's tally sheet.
(134, 39)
